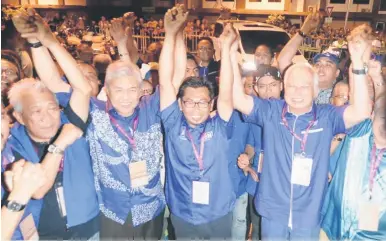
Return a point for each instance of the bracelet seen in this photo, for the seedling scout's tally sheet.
(301, 33)
(35, 45)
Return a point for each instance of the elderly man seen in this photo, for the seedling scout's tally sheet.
(326, 64)
(296, 154)
(125, 144)
(66, 207)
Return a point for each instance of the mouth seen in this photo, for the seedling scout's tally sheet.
(297, 100)
(196, 117)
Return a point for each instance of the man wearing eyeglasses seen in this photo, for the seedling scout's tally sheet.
(208, 66)
(199, 189)
(268, 82)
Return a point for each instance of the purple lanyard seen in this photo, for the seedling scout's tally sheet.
(199, 156)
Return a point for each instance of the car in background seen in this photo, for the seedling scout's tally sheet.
(252, 34)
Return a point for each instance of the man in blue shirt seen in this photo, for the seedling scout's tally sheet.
(66, 207)
(197, 177)
(125, 142)
(297, 139)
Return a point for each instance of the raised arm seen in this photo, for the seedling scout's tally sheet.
(290, 49)
(375, 72)
(360, 106)
(241, 101)
(80, 96)
(174, 20)
(129, 19)
(225, 100)
(179, 60)
(120, 36)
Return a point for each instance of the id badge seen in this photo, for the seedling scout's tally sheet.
(28, 228)
(138, 174)
(200, 193)
(260, 164)
(368, 216)
(60, 198)
(301, 170)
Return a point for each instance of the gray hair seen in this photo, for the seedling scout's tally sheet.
(306, 66)
(24, 86)
(120, 69)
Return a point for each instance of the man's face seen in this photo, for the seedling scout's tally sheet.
(191, 69)
(327, 72)
(91, 75)
(5, 121)
(8, 75)
(262, 55)
(147, 88)
(205, 50)
(40, 115)
(248, 85)
(299, 92)
(196, 105)
(124, 94)
(340, 96)
(268, 87)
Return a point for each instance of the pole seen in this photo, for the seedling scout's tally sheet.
(347, 12)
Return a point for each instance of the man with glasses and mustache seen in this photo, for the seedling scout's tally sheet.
(208, 66)
(198, 184)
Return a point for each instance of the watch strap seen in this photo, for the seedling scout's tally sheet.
(359, 71)
(301, 33)
(35, 45)
(54, 149)
(14, 206)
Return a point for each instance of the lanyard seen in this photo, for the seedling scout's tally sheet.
(303, 140)
(123, 132)
(199, 156)
(375, 162)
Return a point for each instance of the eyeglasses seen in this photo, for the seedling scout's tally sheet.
(192, 104)
(205, 49)
(147, 91)
(8, 72)
(260, 55)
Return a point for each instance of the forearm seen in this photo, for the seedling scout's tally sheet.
(166, 60)
(10, 220)
(225, 100)
(124, 54)
(250, 151)
(289, 52)
(132, 48)
(48, 71)
(379, 86)
(70, 68)
(179, 60)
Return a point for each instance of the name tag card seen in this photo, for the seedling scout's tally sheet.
(301, 170)
(200, 192)
(60, 199)
(368, 216)
(138, 174)
(28, 228)
(260, 164)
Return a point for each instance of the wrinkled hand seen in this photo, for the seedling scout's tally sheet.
(68, 135)
(375, 69)
(32, 27)
(175, 19)
(118, 31)
(359, 49)
(243, 162)
(311, 23)
(24, 179)
(228, 36)
(129, 19)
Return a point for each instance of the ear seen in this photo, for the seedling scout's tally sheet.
(19, 117)
(337, 73)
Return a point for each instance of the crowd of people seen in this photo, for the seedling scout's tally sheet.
(190, 147)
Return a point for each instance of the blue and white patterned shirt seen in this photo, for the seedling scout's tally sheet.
(112, 153)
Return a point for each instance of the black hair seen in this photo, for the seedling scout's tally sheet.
(207, 39)
(270, 50)
(14, 58)
(218, 29)
(194, 82)
(191, 57)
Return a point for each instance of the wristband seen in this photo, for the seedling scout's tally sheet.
(301, 33)
(35, 45)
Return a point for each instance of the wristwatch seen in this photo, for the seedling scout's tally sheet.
(14, 206)
(35, 45)
(54, 149)
(360, 71)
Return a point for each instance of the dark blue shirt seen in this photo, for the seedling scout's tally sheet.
(78, 179)
(182, 166)
(276, 197)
